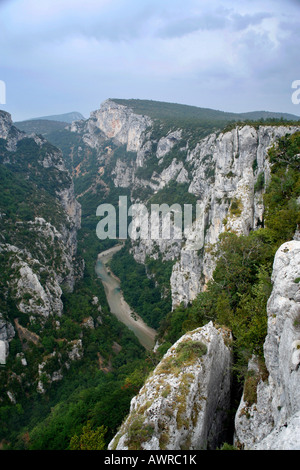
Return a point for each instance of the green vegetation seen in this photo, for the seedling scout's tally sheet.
(139, 291)
(173, 193)
(71, 145)
(235, 208)
(95, 391)
(89, 439)
(188, 351)
(179, 114)
(138, 432)
(256, 120)
(39, 126)
(282, 194)
(260, 182)
(236, 298)
(27, 188)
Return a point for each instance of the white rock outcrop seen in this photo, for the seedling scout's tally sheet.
(184, 403)
(273, 421)
(113, 121)
(166, 143)
(5, 124)
(121, 123)
(7, 333)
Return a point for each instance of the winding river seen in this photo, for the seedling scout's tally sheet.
(118, 305)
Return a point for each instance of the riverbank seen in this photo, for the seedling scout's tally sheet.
(118, 305)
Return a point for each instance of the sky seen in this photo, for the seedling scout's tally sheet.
(58, 56)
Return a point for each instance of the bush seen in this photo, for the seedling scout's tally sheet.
(190, 350)
(89, 439)
(260, 182)
(138, 432)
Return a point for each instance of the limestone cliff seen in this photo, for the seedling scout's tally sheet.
(270, 420)
(185, 401)
(113, 121)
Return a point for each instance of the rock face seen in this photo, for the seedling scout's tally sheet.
(113, 121)
(7, 332)
(8, 132)
(273, 420)
(184, 403)
(5, 124)
(37, 253)
(119, 122)
(226, 172)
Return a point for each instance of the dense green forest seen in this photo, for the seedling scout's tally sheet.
(139, 290)
(26, 180)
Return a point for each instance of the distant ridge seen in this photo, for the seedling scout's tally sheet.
(47, 124)
(201, 121)
(40, 126)
(161, 109)
(67, 117)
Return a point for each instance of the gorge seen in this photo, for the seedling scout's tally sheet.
(220, 305)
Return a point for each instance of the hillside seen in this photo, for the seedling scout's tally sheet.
(40, 218)
(41, 127)
(66, 117)
(179, 112)
(48, 124)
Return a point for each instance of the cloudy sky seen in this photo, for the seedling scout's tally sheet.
(58, 56)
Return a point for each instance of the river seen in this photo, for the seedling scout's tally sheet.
(118, 306)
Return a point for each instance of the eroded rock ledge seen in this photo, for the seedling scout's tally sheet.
(184, 403)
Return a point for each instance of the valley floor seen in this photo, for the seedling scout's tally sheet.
(118, 306)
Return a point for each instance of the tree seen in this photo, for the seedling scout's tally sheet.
(238, 258)
(89, 439)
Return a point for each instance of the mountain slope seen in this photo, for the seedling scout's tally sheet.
(42, 127)
(57, 336)
(66, 117)
(37, 207)
(48, 124)
(163, 110)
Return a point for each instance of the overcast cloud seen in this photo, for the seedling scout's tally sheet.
(58, 56)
